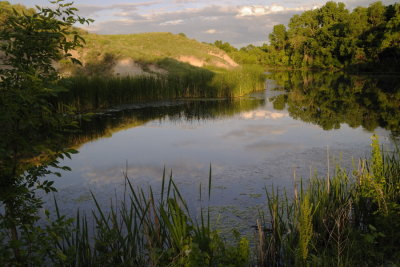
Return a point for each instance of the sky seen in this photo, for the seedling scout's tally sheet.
(239, 22)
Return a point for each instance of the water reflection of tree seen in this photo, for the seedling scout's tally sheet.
(105, 125)
(330, 99)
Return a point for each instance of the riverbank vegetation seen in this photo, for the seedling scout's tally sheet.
(331, 37)
(183, 81)
(348, 218)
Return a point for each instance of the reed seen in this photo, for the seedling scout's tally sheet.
(98, 92)
(146, 229)
(343, 219)
(347, 219)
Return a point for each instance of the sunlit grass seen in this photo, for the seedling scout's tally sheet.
(183, 81)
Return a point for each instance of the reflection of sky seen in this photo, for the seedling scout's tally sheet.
(249, 152)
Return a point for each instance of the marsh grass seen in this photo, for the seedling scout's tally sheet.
(145, 229)
(344, 219)
(349, 219)
(183, 81)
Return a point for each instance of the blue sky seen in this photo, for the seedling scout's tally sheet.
(239, 22)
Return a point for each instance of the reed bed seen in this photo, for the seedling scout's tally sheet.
(349, 219)
(97, 92)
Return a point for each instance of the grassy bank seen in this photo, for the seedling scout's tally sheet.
(150, 47)
(346, 219)
(182, 81)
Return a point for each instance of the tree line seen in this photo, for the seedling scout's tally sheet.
(331, 37)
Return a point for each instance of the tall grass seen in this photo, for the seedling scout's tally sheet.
(90, 93)
(344, 219)
(148, 47)
(349, 219)
(146, 229)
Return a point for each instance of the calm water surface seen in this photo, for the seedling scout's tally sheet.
(251, 143)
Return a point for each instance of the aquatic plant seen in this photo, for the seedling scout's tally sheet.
(183, 81)
(146, 229)
(342, 224)
(351, 222)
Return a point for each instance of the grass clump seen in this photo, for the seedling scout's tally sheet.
(349, 219)
(145, 229)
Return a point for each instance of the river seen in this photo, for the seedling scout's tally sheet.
(300, 126)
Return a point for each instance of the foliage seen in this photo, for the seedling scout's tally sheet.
(337, 220)
(249, 55)
(331, 37)
(30, 124)
(8, 9)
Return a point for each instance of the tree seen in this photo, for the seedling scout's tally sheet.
(30, 119)
(278, 37)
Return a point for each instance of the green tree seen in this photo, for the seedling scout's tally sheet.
(331, 37)
(29, 118)
(278, 37)
(227, 47)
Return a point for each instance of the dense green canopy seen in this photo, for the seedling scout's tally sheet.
(331, 37)
(334, 37)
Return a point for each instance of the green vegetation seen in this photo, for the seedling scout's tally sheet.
(349, 219)
(183, 81)
(246, 55)
(7, 10)
(149, 48)
(146, 229)
(331, 37)
(343, 219)
(330, 99)
(365, 39)
(30, 123)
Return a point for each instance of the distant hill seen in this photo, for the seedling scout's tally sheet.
(142, 53)
(133, 54)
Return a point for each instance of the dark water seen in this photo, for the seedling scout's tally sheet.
(252, 142)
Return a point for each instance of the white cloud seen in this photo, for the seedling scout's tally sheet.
(206, 24)
(266, 10)
(172, 22)
(211, 31)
